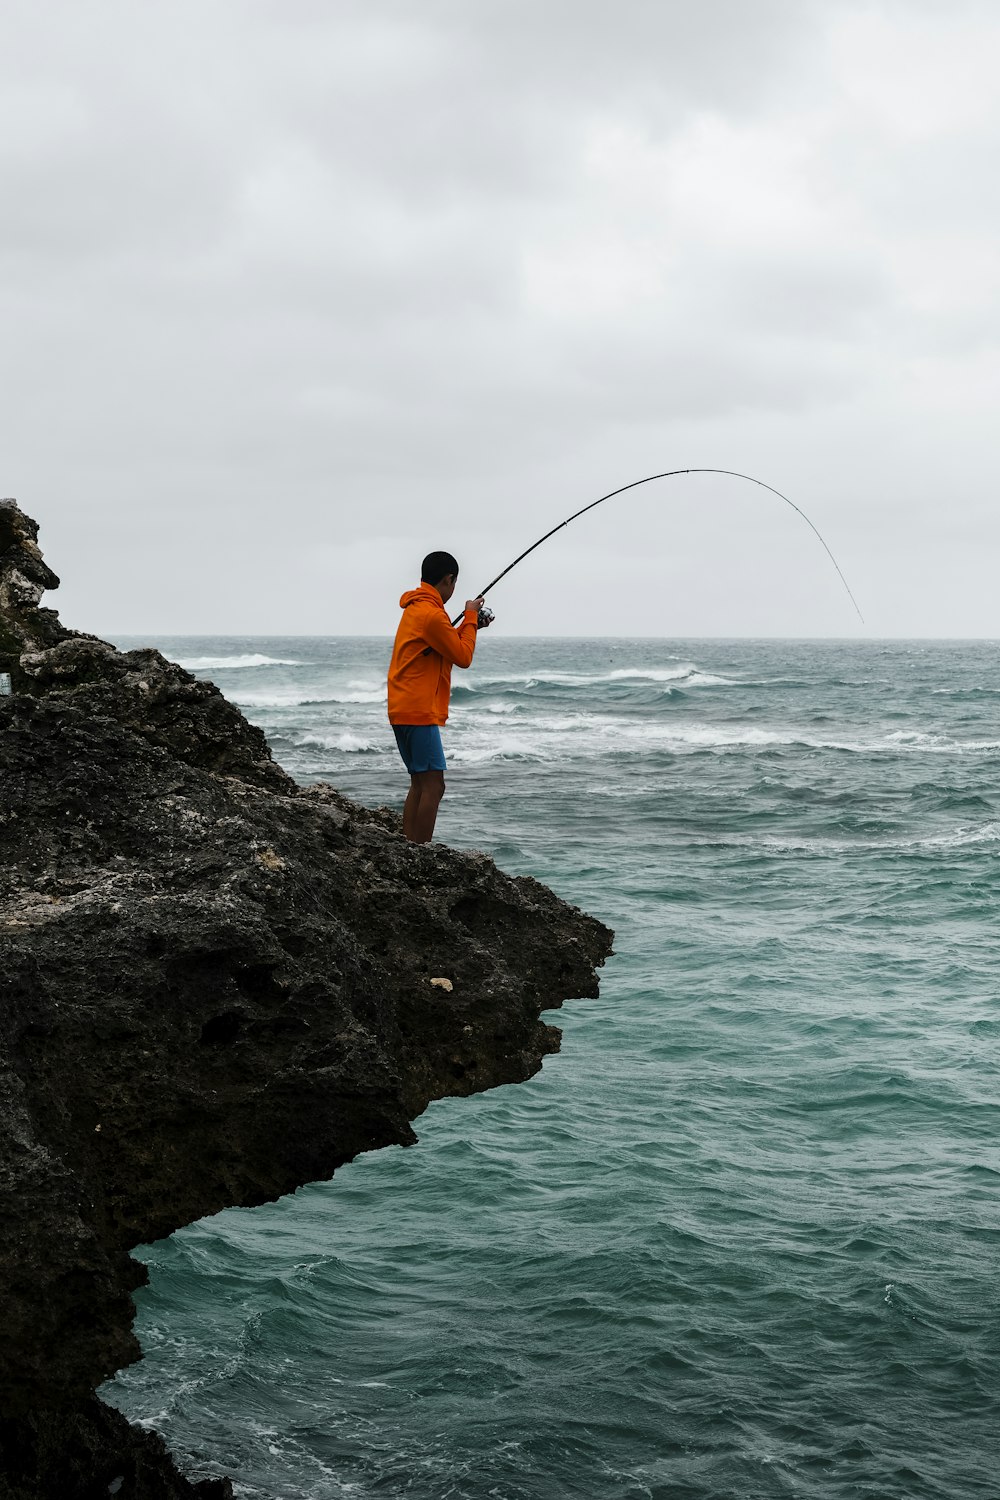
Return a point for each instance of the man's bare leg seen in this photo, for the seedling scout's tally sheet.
(421, 806)
(410, 808)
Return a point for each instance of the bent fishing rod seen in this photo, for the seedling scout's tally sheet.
(671, 474)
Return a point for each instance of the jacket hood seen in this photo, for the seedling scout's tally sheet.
(426, 591)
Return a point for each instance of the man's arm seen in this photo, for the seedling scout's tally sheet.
(456, 646)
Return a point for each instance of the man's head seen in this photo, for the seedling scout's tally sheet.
(440, 569)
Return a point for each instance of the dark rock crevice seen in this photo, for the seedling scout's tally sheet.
(216, 986)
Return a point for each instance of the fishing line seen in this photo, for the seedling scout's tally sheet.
(670, 474)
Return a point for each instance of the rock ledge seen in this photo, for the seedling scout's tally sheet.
(217, 986)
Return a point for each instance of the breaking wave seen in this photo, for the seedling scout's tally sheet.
(589, 735)
(346, 742)
(303, 699)
(685, 674)
(235, 663)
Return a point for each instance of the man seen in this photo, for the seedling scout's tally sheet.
(426, 648)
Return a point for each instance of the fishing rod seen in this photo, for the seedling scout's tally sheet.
(670, 474)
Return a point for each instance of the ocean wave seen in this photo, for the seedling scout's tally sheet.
(745, 736)
(686, 673)
(504, 749)
(824, 844)
(708, 679)
(986, 833)
(590, 736)
(235, 663)
(937, 744)
(302, 699)
(346, 742)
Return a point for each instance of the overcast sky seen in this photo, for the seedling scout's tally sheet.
(292, 292)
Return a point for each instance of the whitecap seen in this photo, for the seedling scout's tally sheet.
(293, 699)
(987, 833)
(686, 673)
(936, 744)
(348, 743)
(591, 735)
(502, 749)
(226, 663)
(706, 679)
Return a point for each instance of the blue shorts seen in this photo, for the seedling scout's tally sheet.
(420, 746)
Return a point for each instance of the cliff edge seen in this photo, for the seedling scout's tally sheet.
(216, 986)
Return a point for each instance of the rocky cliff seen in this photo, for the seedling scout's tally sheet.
(216, 986)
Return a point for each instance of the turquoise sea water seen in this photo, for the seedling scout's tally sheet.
(741, 1238)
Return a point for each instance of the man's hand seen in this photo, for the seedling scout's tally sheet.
(474, 604)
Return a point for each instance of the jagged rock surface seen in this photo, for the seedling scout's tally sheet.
(216, 987)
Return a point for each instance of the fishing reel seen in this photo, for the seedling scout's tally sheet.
(484, 618)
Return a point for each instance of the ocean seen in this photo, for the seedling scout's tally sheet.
(741, 1238)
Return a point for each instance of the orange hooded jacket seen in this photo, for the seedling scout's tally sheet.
(420, 679)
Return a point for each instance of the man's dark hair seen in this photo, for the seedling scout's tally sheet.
(437, 565)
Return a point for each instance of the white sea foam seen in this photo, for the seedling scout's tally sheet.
(508, 747)
(226, 663)
(715, 736)
(685, 673)
(707, 679)
(276, 698)
(987, 833)
(938, 744)
(348, 743)
(594, 735)
(823, 844)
